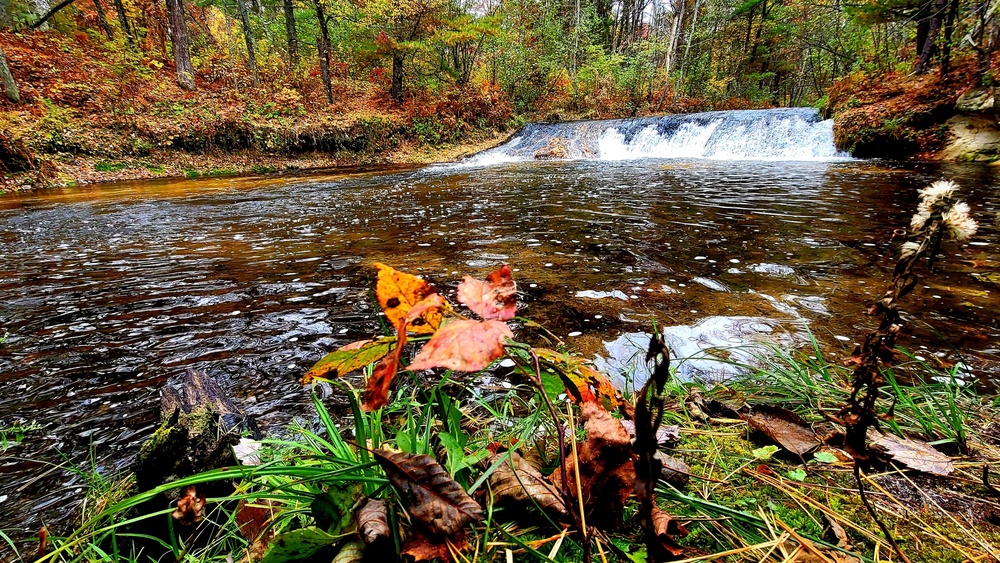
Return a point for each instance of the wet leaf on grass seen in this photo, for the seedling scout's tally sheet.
(373, 522)
(298, 544)
(398, 292)
(429, 494)
(495, 298)
(783, 426)
(914, 454)
(517, 482)
(463, 345)
(346, 359)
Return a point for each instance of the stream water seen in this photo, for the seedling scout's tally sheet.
(108, 292)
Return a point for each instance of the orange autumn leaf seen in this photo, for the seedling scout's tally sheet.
(376, 393)
(399, 292)
(463, 345)
(495, 298)
(584, 383)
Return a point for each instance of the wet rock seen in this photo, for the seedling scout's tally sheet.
(555, 150)
(977, 100)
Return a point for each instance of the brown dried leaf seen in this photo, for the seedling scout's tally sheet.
(783, 426)
(495, 298)
(667, 529)
(422, 547)
(607, 474)
(463, 345)
(252, 518)
(429, 494)
(373, 522)
(517, 482)
(915, 454)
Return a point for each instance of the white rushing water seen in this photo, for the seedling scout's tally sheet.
(778, 134)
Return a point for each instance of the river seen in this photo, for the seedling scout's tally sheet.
(108, 292)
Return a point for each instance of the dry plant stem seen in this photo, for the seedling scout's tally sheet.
(576, 463)
(560, 436)
(871, 511)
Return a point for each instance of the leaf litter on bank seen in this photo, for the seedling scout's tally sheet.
(784, 427)
(914, 454)
(516, 482)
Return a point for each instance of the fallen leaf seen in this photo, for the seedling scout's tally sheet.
(422, 547)
(398, 292)
(607, 474)
(517, 482)
(190, 507)
(373, 522)
(783, 426)
(298, 545)
(665, 435)
(495, 298)
(252, 518)
(346, 359)
(352, 552)
(797, 474)
(667, 529)
(463, 345)
(377, 387)
(765, 453)
(915, 454)
(430, 495)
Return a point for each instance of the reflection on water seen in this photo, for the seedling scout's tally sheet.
(109, 292)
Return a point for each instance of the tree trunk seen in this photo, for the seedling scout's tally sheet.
(290, 32)
(396, 88)
(177, 28)
(248, 36)
(123, 21)
(41, 9)
(103, 19)
(6, 20)
(323, 46)
(932, 32)
(9, 86)
(949, 26)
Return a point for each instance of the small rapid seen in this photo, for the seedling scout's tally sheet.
(773, 134)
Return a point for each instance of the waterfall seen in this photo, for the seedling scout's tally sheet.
(773, 134)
